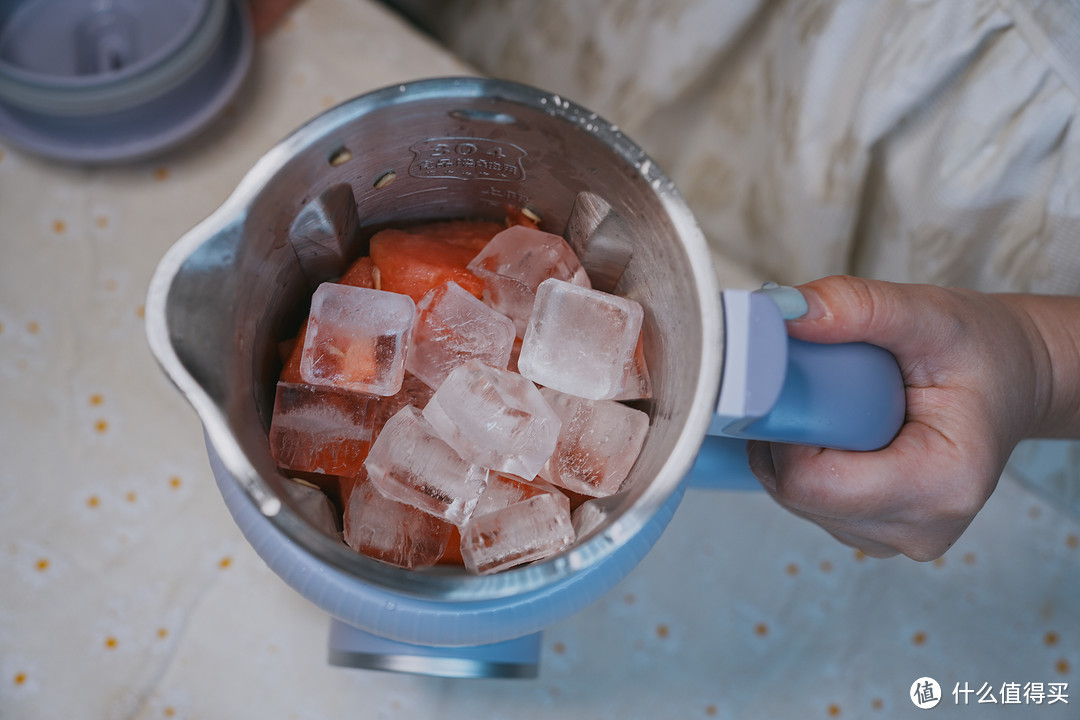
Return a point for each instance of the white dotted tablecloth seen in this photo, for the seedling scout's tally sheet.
(127, 592)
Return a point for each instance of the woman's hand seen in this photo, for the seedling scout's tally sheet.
(979, 376)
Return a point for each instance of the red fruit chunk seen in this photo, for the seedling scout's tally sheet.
(417, 260)
(360, 274)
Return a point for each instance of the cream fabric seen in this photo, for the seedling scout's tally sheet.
(906, 140)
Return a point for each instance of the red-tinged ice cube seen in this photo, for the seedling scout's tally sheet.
(321, 429)
(515, 522)
(357, 339)
(453, 327)
(516, 261)
(598, 444)
(391, 531)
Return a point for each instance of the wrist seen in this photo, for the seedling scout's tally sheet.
(1052, 324)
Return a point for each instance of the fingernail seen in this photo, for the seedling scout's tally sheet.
(791, 302)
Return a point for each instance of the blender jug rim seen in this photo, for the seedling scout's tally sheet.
(231, 216)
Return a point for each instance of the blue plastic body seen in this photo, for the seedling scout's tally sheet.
(848, 396)
(414, 620)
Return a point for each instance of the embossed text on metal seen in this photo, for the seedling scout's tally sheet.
(467, 158)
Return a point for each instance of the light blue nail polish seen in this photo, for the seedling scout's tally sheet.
(791, 302)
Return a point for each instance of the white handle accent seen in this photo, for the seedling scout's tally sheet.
(755, 360)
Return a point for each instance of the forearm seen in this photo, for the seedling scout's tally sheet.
(1054, 321)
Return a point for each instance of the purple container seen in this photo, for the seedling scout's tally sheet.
(94, 81)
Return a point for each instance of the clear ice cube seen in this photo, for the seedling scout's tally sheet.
(391, 531)
(581, 341)
(410, 463)
(598, 444)
(357, 339)
(452, 327)
(515, 522)
(321, 429)
(516, 261)
(494, 418)
(639, 382)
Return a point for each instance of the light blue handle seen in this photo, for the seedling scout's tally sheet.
(847, 396)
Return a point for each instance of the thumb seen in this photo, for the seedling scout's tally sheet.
(894, 316)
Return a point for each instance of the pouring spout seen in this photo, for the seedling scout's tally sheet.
(214, 351)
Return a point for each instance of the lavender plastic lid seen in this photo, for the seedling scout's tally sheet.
(97, 81)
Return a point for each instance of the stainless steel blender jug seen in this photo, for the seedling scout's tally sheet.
(234, 286)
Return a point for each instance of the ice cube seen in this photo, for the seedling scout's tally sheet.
(639, 383)
(410, 463)
(515, 522)
(451, 327)
(391, 531)
(494, 418)
(414, 391)
(321, 429)
(516, 261)
(598, 444)
(581, 341)
(357, 339)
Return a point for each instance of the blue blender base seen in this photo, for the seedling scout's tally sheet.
(721, 465)
(512, 659)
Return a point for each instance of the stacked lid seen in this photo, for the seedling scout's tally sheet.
(97, 81)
